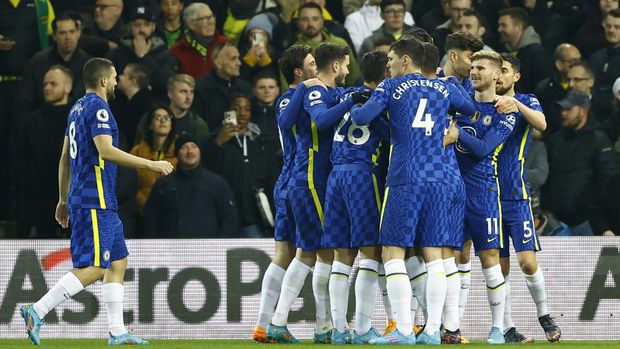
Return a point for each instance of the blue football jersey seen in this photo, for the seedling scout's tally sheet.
(512, 177)
(93, 180)
(481, 174)
(312, 156)
(287, 140)
(417, 110)
(466, 83)
(355, 144)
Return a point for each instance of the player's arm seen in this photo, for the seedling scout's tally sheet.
(532, 113)
(460, 100)
(108, 152)
(324, 118)
(288, 114)
(64, 177)
(496, 135)
(363, 115)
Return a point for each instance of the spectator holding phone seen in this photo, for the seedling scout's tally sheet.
(256, 46)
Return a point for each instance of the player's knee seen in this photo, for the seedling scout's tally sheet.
(528, 267)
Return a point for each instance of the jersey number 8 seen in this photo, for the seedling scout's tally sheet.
(72, 143)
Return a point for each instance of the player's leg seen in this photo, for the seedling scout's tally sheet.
(462, 258)
(339, 293)
(416, 270)
(496, 290)
(366, 285)
(387, 306)
(450, 318)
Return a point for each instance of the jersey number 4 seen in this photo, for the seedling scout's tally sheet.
(422, 119)
(72, 143)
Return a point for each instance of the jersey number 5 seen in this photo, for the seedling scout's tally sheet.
(422, 119)
(72, 143)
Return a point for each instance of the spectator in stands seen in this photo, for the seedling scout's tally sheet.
(611, 125)
(144, 48)
(606, 221)
(351, 6)
(181, 95)
(330, 23)
(521, 39)
(238, 15)
(66, 34)
(213, 91)
(134, 85)
(191, 202)
(24, 30)
(581, 78)
(580, 165)
(107, 30)
(591, 35)
(545, 223)
(38, 148)
(170, 25)
(393, 14)
(456, 8)
(383, 45)
(365, 20)
(195, 50)
(554, 88)
(266, 91)
(312, 32)
(433, 18)
(537, 163)
(244, 157)
(472, 22)
(257, 50)
(606, 62)
(157, 144)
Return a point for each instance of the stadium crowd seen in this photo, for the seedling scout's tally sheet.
(198, 81)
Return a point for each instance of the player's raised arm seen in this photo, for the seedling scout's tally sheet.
(64, 177)
(109, 152)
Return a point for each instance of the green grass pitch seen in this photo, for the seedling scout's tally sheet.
(246, 344)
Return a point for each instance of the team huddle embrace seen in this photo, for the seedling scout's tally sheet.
(409, 170)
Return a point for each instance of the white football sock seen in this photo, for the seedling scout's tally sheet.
(451, 306)
(339, 294)
(320, 288)
(435, 294)
(292, 283)
(414, 307)
(269, 294)
(387, 306)
(508, 324)
(465, 278)
(68, 286)
(416, 269)
(365, 294)
(496, 293)
(112, 296)
(399, 291)
(536, 284)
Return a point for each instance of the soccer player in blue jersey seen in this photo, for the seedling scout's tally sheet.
(322, 110)
(460, 46)
(352, 206)
(87, 199)
(480, 140)
(515, 198)
(297, 65)
(416, 200)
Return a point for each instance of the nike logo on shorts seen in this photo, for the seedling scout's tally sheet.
(491, 240)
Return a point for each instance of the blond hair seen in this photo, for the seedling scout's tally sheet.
(493, 57)
(181, 78)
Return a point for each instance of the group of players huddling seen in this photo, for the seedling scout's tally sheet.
(458, 139)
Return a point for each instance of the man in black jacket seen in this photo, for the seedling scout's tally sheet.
(581, 163)
(144, 48)
(64, 52)
(191, 202)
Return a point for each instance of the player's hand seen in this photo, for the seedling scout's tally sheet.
(505, 105)
(360, 97)
(163, 167)
(141, 46)
(452, 134)
(227, 132)
(62, 214)
(6, 43)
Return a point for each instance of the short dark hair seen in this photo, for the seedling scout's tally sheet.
(63, 69)
(67, 16)
(374, 65)
(326, 53)
(411, 48)
(386, 3)
(148, 132)
(464, 42)
(517, 14)
(586, 67)
(614, 13)
(140, 73)
(292, 59)
(419, 34)
(94, 70)
(310, 4)
(482, 21)
(431, 57)
(265, 74)
(514, 61)
(387, 40)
